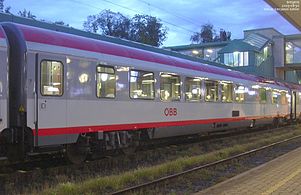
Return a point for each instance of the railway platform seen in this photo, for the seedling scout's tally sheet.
(281, 176)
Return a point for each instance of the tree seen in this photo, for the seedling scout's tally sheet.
(141, 28)
(91, 25)
(208, 34)
(3, 8)
(223, 36)
(148, 30)
(26, 14)
(109, 23)
(1, 5)
(7, 10)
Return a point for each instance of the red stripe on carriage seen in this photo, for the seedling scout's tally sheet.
(119, 127)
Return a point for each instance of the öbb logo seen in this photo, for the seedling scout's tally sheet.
(170, 111)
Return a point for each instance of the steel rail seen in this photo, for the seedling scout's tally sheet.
(165, 178)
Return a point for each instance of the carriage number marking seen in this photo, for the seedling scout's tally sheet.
(170, 111)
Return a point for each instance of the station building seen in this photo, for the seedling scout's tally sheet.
(264, 52)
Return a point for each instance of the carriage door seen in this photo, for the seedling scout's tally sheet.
(51, 101)
(293, 105)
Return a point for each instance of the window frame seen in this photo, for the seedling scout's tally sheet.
(232, 91)
(106, 66)
(236, 86)
(154, 86)
(63, 77)
(285, 98)
(278, 97)
(218, 89)
(266, 95)
(180, 90)
(201, 87)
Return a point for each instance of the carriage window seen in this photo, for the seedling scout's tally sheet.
(106, 82)
(170, 87)
(239, 92)
(52, 78)
(142, 85)
(211, 91)
(283, 98)
(275, 97)
(262, 95)
(227, 92)
(193, 89)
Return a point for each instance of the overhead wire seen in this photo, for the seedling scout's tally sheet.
(132, 10)
(177, 15)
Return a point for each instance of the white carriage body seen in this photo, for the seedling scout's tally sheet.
(60, 119)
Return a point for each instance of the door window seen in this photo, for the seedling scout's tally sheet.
(52, 78)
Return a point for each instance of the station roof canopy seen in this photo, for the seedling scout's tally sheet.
(238, 45)
(293, 16)
(198, 46)
(256, 40)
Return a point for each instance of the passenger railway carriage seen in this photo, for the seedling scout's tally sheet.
(61, 91)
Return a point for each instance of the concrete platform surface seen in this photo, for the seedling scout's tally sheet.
(281, 176)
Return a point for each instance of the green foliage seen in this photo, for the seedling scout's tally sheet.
(108, 23)
(148, 30)
(1, 5)
(3, 8)
(208, 34)
(141, 28)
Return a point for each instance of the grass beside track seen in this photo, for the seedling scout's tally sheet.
(112, 183)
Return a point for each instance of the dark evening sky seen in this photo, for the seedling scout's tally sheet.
(182, 17)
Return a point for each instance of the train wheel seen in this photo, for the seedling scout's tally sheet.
(78, 152)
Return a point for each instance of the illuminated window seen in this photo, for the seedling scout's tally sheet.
(293, 52)
(211, 91)
(227, 92)
(236, 59)
(170, 87)
(106, 82)
(262, 95)
(239, 92)
(276, 97)
(52, 78)
(193, 89)
(283, 98)
(142, 85)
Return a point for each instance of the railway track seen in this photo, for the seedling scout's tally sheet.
(198, 168)
(58, 160)
(44, 166)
